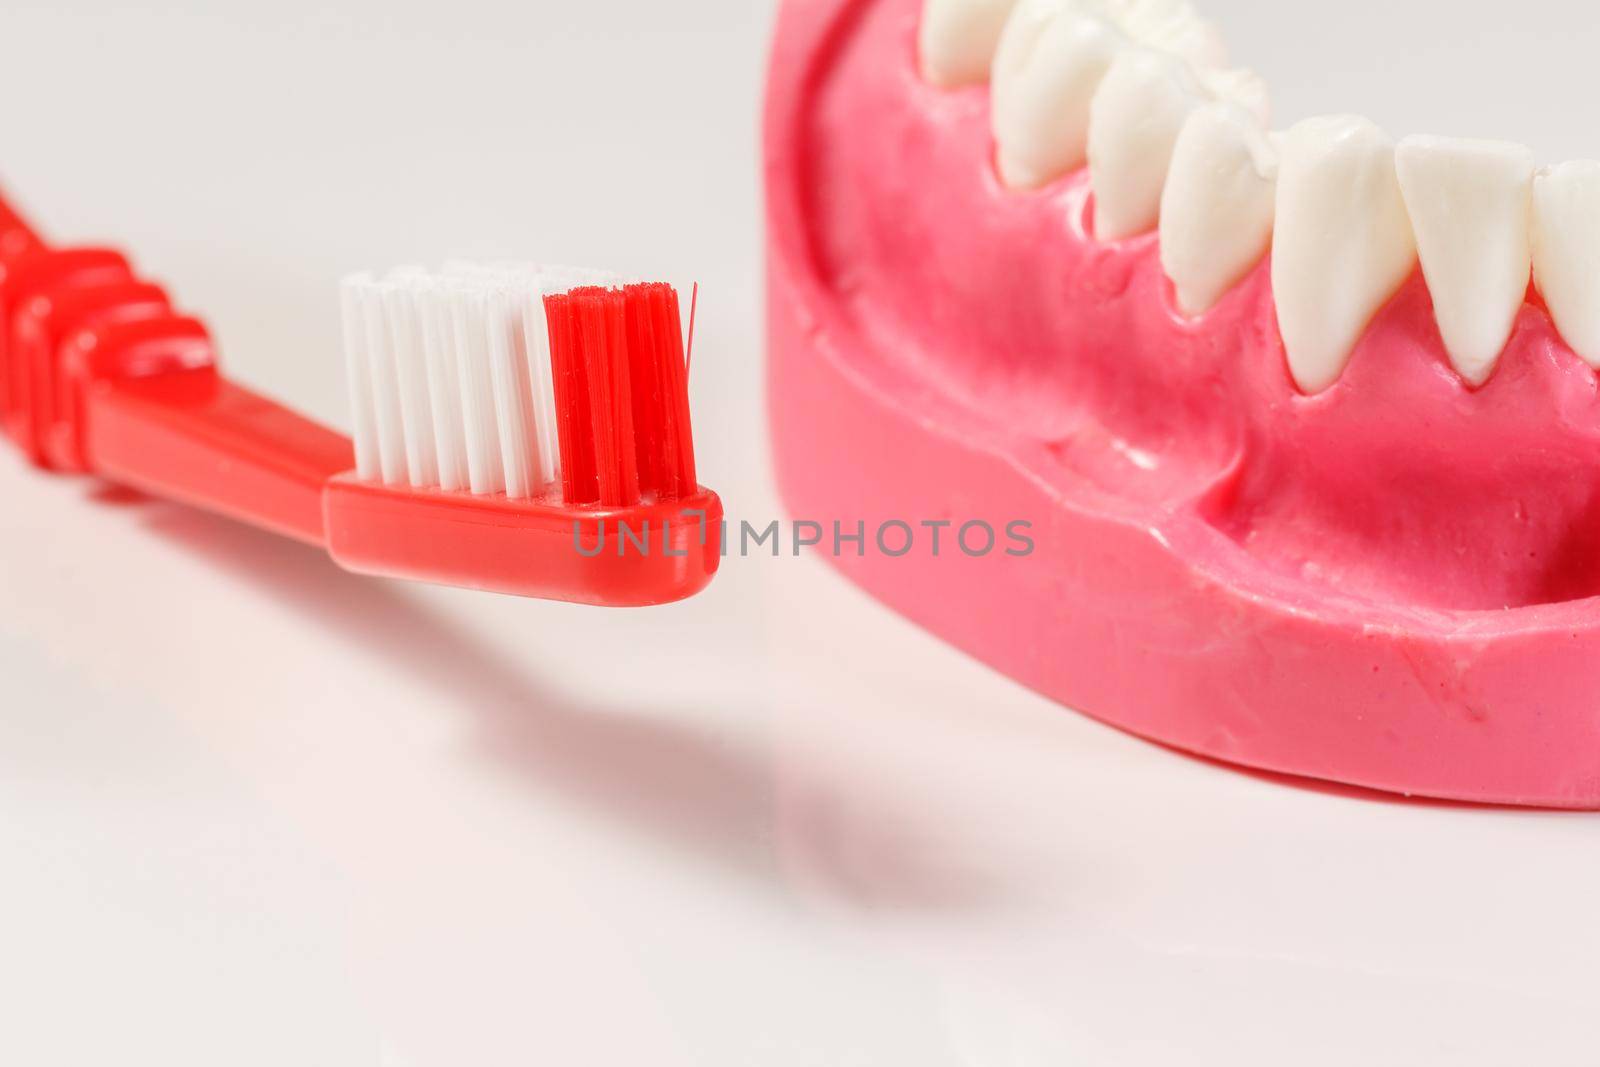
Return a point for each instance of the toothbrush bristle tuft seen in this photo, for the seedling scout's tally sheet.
(532, 382)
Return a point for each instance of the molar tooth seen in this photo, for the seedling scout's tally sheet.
(1050, 59)
(1216, 211)
(1344, 242)
(1566, 252)
(1172, 26)
(1242, 87)
(958, 39)
(1134, 121)
(1470, 203)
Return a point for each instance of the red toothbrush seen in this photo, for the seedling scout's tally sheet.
(516, 430)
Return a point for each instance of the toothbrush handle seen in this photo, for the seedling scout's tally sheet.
(156, 415)
(198, 438)
(15, 235)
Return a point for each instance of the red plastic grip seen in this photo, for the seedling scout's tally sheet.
(33, 277)
(43, 330)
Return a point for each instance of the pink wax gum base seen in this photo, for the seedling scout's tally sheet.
(1389, 585)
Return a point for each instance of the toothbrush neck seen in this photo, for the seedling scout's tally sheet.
(197, 437)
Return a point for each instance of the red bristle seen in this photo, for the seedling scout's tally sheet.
(603, 329)
(569, 372)
(649, 425)
(694, 306)
(622, 399)
(679, 433)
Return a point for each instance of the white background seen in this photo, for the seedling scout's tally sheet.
(257, 812)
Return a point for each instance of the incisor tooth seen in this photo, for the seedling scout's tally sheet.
(1134, 122)
(1216, 211)
(1566, 252)
(1470, 203)
(1344, 242)
(1050, 59)
(958, 38)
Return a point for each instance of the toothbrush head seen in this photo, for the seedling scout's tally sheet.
(524, 430)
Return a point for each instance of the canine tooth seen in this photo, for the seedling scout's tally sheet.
(1470, 204)
(1217, 209)
(1566, 252)
(1134, 122)
(1344, 242)
(1050, 59)
(957, 39)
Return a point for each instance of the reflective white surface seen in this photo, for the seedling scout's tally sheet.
(254, 811)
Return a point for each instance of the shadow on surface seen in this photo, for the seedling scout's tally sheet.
(711, 798)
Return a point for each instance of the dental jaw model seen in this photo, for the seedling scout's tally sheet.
(1309, 462)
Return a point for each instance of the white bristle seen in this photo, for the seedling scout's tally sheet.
(385, 386)
(363, 430)
(450, 378)
(411, 375)
(444, 388)
(513, 394)
(468, 312)
(536, 344)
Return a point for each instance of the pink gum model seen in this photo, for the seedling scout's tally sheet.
(1391, 584)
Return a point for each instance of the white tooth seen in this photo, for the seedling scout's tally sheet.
(1216, 211)
(1022, 29)
(1343, 245)
(1566, 252)
(1050, 59)
(958, 39)
(1470, 205)
(1242, 87)
(1170, 25)
(1134, 122)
